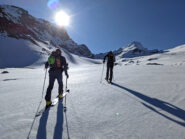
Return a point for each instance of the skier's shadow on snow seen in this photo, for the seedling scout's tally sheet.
(41, 133)
(165, 106)
(42, 129)
(59, 122)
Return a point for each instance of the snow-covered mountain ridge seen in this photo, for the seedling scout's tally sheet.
(136, 54)
(134, 49)
(17, 23)
(174, 57)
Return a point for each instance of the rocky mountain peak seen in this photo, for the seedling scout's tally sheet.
(18, 23)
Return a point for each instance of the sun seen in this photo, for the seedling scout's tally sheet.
(62, 19)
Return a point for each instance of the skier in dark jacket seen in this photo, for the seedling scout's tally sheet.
(110, 65)
(57, 64)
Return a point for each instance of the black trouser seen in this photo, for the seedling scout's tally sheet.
(56, 74)
(109, 69)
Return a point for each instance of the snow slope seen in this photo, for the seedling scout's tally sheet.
(21, 53)
(16, 53)
(144, 102)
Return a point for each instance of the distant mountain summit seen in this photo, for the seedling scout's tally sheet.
(134, 49)
(17, 23)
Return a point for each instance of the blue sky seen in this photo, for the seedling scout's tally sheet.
(105, 25)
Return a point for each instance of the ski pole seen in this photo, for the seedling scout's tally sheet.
(67, 90)
(113, 75)
(102, 73)
(44, 83)
(37, 107)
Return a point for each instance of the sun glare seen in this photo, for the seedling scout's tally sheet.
(62, 19)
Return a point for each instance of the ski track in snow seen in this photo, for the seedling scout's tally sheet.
(144, 102)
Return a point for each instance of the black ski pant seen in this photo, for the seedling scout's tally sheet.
(109, 72)
(56, 74)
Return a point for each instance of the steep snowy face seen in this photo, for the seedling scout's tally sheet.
(134, 45)
(17, 23)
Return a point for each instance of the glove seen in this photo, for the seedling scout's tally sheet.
(67, 76)
(103, 61)
(46, 65)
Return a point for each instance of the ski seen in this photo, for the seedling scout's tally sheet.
(54, 102)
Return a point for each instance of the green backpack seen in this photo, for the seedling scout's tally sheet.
(51, 60)
(54, 61)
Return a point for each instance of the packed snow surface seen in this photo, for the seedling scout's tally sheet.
(143, 102)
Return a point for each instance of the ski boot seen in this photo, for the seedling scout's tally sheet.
(60, 96)
(110, 81)
(48, 103)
